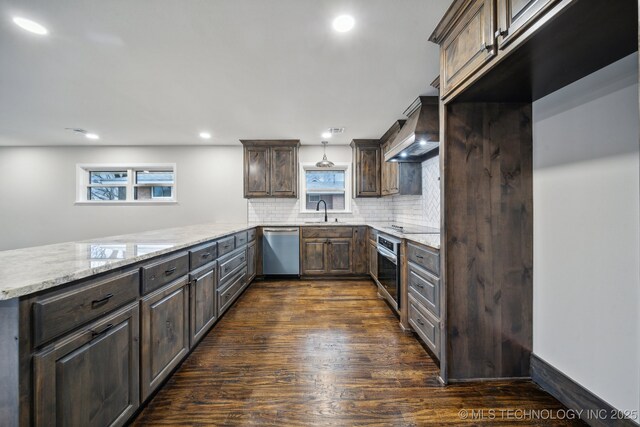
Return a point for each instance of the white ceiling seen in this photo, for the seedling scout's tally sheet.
(157, 72)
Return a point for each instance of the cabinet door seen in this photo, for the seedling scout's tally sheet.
(360, 252)
(257, 172)
(389, 174)
(165, 333)
(373, 261)
(314, 256)
(368, 172)
(284, 172)
(514, 16)
(469, 45)
(340, 256)
(90, 378)
(203, 311)
(251, 261)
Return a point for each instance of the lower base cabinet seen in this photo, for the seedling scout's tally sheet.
(204, 307)
(165, 333)
(251, 261)
(373, 260)
(90, 378)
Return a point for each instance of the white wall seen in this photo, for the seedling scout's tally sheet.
(586, 233)
(38, 192)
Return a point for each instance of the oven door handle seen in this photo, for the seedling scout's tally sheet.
(388, 255)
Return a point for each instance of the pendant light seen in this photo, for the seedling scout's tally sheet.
(324, 163)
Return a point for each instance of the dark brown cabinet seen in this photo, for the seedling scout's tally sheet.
(90, 378)
(314, 259)
(339, 256)
(331, 251)
(514, 16)
(270, 168)
(367, 163)
(251, 261)
(398, 178)
(468, 46)
(202, 293)
(373, 260)
(165, 333)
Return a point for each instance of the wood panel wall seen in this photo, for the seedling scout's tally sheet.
(488, 227)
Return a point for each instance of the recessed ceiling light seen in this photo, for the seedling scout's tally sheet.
(205, 135)
(343, 23)
(403, 154)
(326, 134)
(423, 142)
(92, 135)
(31, 26)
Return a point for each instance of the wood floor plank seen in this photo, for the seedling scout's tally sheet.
(316, 353)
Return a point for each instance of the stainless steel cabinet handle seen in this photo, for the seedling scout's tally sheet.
(170, 271)
(206, 255)
(419, 321)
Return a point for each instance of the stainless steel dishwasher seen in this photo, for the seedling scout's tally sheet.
(281, 251)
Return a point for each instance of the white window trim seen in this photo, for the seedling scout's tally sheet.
(82, 182)
(346, 167)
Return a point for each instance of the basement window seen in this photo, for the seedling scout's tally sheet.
(125, 183)
(329, 184)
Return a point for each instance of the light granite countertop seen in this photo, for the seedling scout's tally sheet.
(29, 270)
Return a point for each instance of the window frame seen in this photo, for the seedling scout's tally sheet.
(346, 167)
(83, 182)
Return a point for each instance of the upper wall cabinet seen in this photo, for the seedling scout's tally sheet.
(367, 159)
(398, 178)
(467, 45)
(270, 168)
(515, 15)
(519, 50)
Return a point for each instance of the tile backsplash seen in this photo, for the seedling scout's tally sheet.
(417, 210)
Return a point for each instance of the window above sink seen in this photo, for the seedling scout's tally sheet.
(333, 185)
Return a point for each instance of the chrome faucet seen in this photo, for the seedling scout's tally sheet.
(325, 209)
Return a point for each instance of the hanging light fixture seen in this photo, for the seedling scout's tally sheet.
(324, 163)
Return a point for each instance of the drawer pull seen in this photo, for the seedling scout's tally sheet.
(96, 334)
(206, 255)
(421, 286)
(102, 301)
(419, 257)
(419, 321)
(242, 259)
(170, 271)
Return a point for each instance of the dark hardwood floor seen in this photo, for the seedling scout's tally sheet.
(307, 353)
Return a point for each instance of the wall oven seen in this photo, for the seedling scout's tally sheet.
(389, 269)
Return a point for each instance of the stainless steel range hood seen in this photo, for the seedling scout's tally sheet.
(421, 133)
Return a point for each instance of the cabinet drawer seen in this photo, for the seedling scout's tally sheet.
(241, 239)
(426, 288)
(251, 234)
(203, 254)
(425, 325)
(424, 257)
(226, 245)
(230, 264)
(60, 313)
(164, 271)
(228, 294)
(320, 232)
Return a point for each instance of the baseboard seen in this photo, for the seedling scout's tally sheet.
(592, 409)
